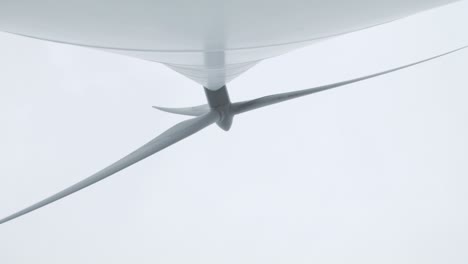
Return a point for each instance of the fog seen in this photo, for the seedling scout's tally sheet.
(370, 172)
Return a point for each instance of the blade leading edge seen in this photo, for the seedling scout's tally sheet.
(173, 135)
(190, 111)
(249, 105)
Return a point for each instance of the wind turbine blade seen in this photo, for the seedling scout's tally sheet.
(190, 111)
(246, 106)
(174, 134)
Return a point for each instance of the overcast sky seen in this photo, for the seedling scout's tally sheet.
(374, 172)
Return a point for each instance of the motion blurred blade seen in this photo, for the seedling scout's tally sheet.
(246, 106)
(189, 111)
(174, 134)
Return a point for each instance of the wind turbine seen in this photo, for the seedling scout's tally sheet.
(211, 42)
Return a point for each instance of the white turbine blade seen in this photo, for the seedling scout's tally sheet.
(190, 111)
(246, 106)
(167, 138)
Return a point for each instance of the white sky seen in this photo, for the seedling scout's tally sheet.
(374, 172)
